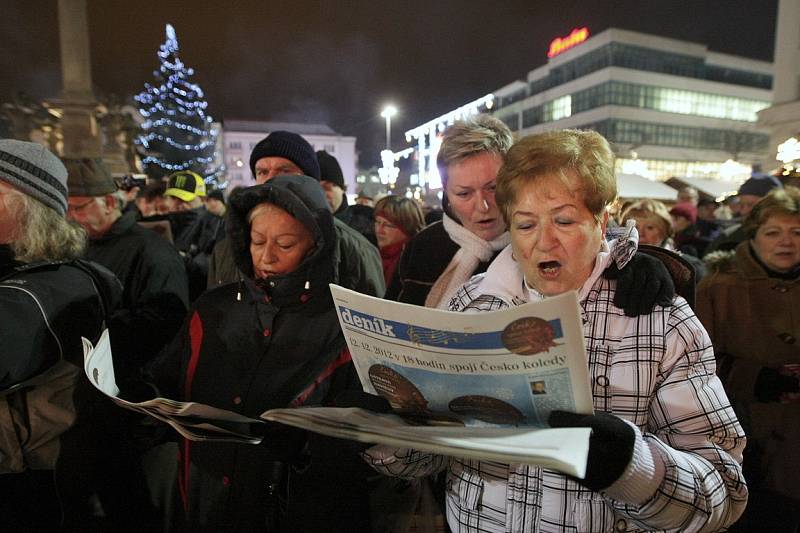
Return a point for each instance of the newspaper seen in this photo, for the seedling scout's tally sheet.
(476, 386)
(503, 368)
(195, 421)
(479, 386)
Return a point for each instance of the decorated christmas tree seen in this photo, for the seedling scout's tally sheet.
(177, 133)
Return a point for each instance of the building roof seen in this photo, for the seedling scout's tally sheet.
(712, 188)
(256, 126)
(631, 186)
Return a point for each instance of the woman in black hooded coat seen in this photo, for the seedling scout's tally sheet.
(272, 340)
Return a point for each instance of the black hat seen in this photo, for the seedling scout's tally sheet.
(759, 185)
(216, 194)
(88, 177)
(706, 201)
(290, 146)
(329, 169)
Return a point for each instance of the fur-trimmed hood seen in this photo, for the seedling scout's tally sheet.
(720, 261)
(301, 197)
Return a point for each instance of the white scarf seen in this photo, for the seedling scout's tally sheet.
(473, 251)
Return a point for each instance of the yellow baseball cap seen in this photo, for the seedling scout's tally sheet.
(186, 185)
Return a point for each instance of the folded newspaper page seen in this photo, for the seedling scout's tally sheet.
(195, 421)
(562, 449)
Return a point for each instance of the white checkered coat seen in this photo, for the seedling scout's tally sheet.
(656, 371)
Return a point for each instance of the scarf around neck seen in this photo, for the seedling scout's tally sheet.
(472, 251)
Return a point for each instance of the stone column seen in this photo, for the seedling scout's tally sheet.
(78, 124)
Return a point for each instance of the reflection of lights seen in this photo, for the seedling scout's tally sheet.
(636, 166)
(440, 195)
(464, 111)
(788, 151)
(731, 169)
(389, 111)
(388, 172)
(239, 163)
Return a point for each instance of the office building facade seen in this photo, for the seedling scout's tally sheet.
(669, 107)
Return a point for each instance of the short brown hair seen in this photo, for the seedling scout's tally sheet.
(584, 154)
(648, 208)
(401, 211)
(777, 202)
(472, 136)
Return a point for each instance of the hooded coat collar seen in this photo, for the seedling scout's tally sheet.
(301, 197)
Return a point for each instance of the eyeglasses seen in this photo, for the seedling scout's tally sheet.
(78, 208)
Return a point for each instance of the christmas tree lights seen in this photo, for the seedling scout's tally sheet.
(177, 133)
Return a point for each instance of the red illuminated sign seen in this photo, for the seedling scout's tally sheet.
(562, 44)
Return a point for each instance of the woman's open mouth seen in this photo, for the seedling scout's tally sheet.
(549, 269)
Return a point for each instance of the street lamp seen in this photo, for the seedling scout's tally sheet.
(388, 112)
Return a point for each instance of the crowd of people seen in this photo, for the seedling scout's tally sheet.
(210, 297)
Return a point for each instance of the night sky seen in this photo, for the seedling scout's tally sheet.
(339, 62)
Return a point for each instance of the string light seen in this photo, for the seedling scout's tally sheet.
(177, 133)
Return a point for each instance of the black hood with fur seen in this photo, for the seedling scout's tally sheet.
(301, 197)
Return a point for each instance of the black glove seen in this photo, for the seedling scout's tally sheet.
(641, 284)
(771, 384)
(610, 446)
(358, 398)
(287, 444)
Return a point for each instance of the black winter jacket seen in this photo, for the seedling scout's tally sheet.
(155, 297)
(252, 346)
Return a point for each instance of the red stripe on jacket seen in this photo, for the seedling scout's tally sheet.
(343, 359)
(196, 341)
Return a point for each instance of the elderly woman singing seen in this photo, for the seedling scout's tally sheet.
(666, 446)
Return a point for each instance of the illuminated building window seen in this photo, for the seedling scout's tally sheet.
(558, 108)
(640, 133)
(662, 170)
(510, 120)
(647, 97)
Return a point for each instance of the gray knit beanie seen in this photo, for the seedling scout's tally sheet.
(34, 170)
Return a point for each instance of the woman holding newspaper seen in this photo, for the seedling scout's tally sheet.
(272, 340)
(666, 446)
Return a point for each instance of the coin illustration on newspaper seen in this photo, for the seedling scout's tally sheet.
(487, 409)
(528, 336)
(398, 391)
